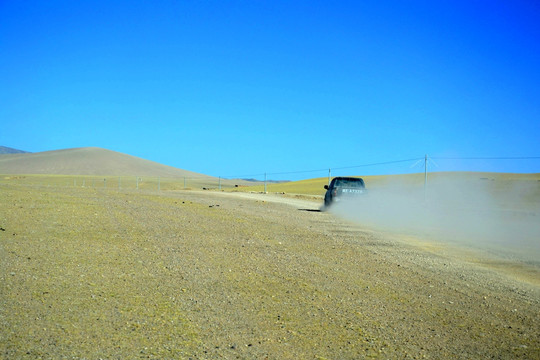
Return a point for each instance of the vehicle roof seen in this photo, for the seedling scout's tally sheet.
(348, 178)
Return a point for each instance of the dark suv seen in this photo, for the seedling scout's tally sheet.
(343, 187)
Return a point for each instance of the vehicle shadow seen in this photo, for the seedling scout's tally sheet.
(310, 210)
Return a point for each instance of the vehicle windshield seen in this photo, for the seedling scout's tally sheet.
(350, 183)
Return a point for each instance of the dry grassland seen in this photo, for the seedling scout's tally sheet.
(494, 183)
(123, 183)
(89, 273)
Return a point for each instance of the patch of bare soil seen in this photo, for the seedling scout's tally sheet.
(88, 274)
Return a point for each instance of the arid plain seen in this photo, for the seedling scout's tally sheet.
(99, 273)
(90, 272)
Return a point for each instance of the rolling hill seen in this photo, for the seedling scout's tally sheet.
(87, 161)
(8, 150)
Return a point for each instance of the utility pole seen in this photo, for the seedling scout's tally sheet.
(425, 176)
(265, 183)
(329, 176)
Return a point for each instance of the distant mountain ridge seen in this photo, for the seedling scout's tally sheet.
(268, 181)
(88, 161)
(8, 150)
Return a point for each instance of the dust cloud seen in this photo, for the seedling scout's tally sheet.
(497, 215)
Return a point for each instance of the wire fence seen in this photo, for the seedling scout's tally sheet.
(153, 183)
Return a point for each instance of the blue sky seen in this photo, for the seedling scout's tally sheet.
(230, 88)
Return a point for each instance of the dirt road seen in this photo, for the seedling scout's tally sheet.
(88, 274)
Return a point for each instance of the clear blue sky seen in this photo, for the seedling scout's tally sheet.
(247, 87)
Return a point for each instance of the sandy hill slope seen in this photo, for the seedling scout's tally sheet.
(87, 161)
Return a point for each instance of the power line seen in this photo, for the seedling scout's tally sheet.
(274, 173)
(378, 163)
(296, 172)
(489, 158)
(319, 170)
(383, 163)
